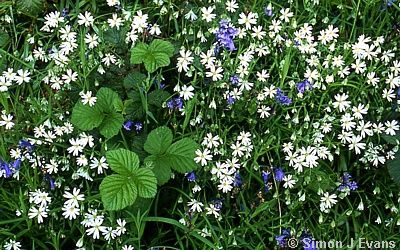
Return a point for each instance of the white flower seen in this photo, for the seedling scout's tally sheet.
(12, 245)
(99, 164)
(231, 6)
(248, 20)
(87, 98)
(264, 111)
(7, 121)
(238, 149)
(203, 157)
(391, 127)
(211, 209)
(86, 140)
(139, 21)
(225, 185)
(70, 211)
(186, 92)
(215, 73)
(128, 247)
(285, 15)
(70, 76)
(328, 201)
(109, 59)
(289, 182)
(52, 19)
(112, 2)
(73, 198)
(184, 60)
(4, 84)
(22, 76)
(91, 40)
(95, 228)
(191, 16)
(195, 205)
(120, 230)
(207, 13)
(155, 30)
(115, 21)
(40, 213)
(86, 19)
(109, 233)
(356, 144)
(341, 102)
(211, 141)
(75, 148)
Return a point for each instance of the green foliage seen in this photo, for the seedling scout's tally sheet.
(133, 80)
(103, 115)
(85, 117)
(121, 190)
(4, 39)
(166, 155)
(30, 7)
(394, 168)
(154, 56)
(158, 141)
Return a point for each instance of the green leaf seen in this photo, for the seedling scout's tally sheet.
(155, 60)
(392, 139)
(146, 182)
(157, 97)
(138, 53)
(107, 100)
(180, 155)
(153, 56)
(188, 111)
(30, 7)
(85, 117)
(158, 45)
(115, 36)
(122, 161)
(117, 192)
(4, 38)
(158, 141)
(111, 124)
(162, 172)
(133, 80)
(394, 168)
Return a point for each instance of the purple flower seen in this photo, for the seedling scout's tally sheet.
(52, 183)
(16, 164)
(234, 80)
(303, 86)
(283, 238)
(138, 126)
(347, 182)
(5, 168)
(24, 144)
(191, 176)
(128, 125)
(218, 203)
(265, 176)
(230, 100)
(268, 11)
(282, 98)
(225, 35)
(238, 180)
(175, 103)
(279, 174)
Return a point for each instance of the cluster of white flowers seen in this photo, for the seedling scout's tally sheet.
(40, 201)
(71, 205)
(93, 220)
